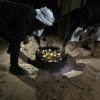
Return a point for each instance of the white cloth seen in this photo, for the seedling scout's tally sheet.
(76, 38)
(38, 32)
(45, 15)
(73, 39)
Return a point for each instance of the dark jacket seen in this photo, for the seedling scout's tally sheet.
(15, 20)
(89, 16)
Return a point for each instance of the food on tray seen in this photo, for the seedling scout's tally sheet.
(49, 55)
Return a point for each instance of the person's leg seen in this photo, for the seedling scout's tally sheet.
(14, 54)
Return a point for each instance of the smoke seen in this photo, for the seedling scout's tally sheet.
(65, 69)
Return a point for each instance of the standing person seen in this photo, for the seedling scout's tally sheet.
(16, 22)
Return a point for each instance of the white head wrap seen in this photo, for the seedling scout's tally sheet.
(45, 15)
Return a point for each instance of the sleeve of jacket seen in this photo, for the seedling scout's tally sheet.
(24, 26)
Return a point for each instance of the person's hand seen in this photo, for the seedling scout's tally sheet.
(43, 42)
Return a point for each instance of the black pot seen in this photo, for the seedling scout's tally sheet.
(50, 65)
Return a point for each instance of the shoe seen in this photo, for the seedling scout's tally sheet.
(17, 71)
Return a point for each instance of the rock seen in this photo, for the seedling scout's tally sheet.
(32, 71)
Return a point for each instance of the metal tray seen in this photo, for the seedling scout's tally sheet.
(50, 65)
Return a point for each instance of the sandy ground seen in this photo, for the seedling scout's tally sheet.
(11, 87)
(52, 85)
